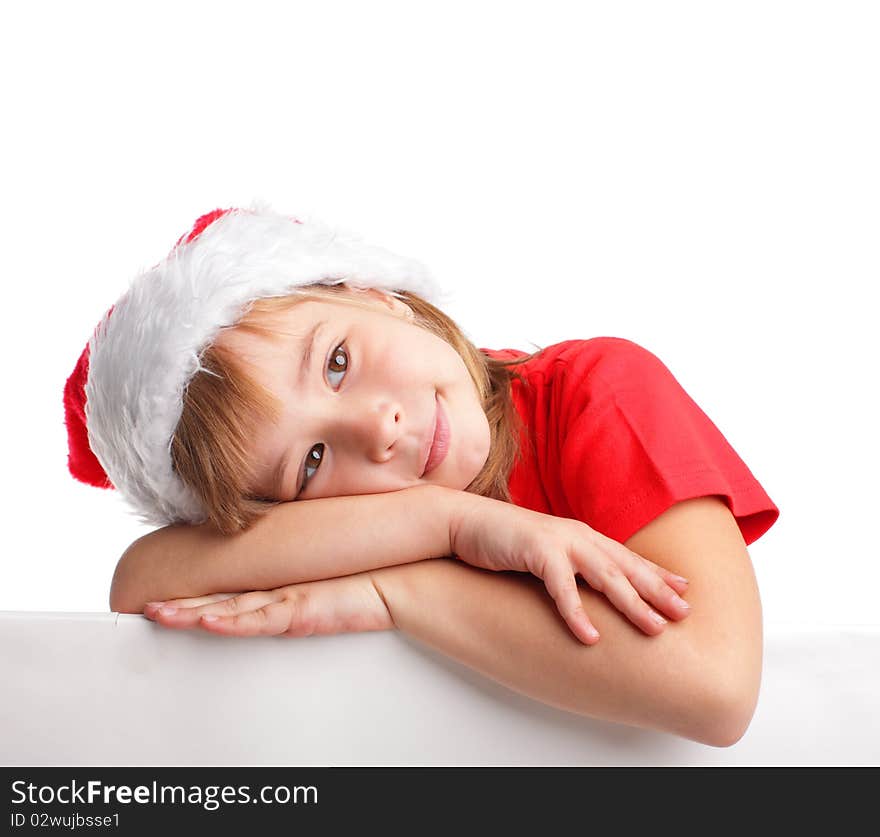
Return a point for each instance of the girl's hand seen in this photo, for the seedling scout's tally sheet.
(501, 536)
(332, 606)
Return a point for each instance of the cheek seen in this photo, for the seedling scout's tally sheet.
(410, 360)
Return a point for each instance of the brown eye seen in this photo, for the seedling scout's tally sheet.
(339, 358)
(313, 460)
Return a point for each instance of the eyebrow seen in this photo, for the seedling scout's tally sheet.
(309, 342)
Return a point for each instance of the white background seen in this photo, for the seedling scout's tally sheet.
(701, 178)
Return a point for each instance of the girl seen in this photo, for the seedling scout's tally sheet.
(285, 401)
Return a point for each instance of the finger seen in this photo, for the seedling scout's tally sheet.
(562, 587)
(677, 582)
(270, 619)
(150, 608)
(653, 589)
(607, 577)
(615, 548)
(646, 575)
(224, 604)
(652, 586)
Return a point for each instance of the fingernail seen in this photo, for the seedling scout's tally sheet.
(209, 617)
(168, 610)
(592, 633)
(682, 580)
(155, 604)
(657, 618)
(682, 603)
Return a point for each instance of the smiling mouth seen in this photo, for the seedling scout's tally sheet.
(439, 445)
(430, 443)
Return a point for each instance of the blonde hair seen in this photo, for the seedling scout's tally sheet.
(223, 406)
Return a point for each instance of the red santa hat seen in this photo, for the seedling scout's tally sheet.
(124, 398)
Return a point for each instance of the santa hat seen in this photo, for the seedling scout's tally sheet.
(124, 398)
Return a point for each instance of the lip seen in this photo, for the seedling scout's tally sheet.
(439, 443)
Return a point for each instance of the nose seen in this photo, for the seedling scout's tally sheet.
(370, 429)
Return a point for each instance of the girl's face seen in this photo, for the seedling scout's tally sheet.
(361, 417)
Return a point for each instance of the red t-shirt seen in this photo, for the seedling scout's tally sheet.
(618, 441)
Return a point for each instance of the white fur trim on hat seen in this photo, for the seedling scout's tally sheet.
(145, 351)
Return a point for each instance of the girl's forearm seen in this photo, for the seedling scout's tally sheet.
(505, 626)
(295, 542)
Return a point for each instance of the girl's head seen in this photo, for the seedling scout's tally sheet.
(267, 360)
(262, 423)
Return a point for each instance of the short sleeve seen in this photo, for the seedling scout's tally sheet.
(637, 444)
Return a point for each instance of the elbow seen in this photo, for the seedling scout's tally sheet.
(119, 604)
(724, 719)
(719, 691)
(725, 706)
(122, 590)
(119, 599)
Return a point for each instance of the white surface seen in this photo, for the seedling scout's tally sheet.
(88, 689)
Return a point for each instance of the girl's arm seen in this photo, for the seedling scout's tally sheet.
(699, 678)
(504, 626)
(295, 542)
(332, 537)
